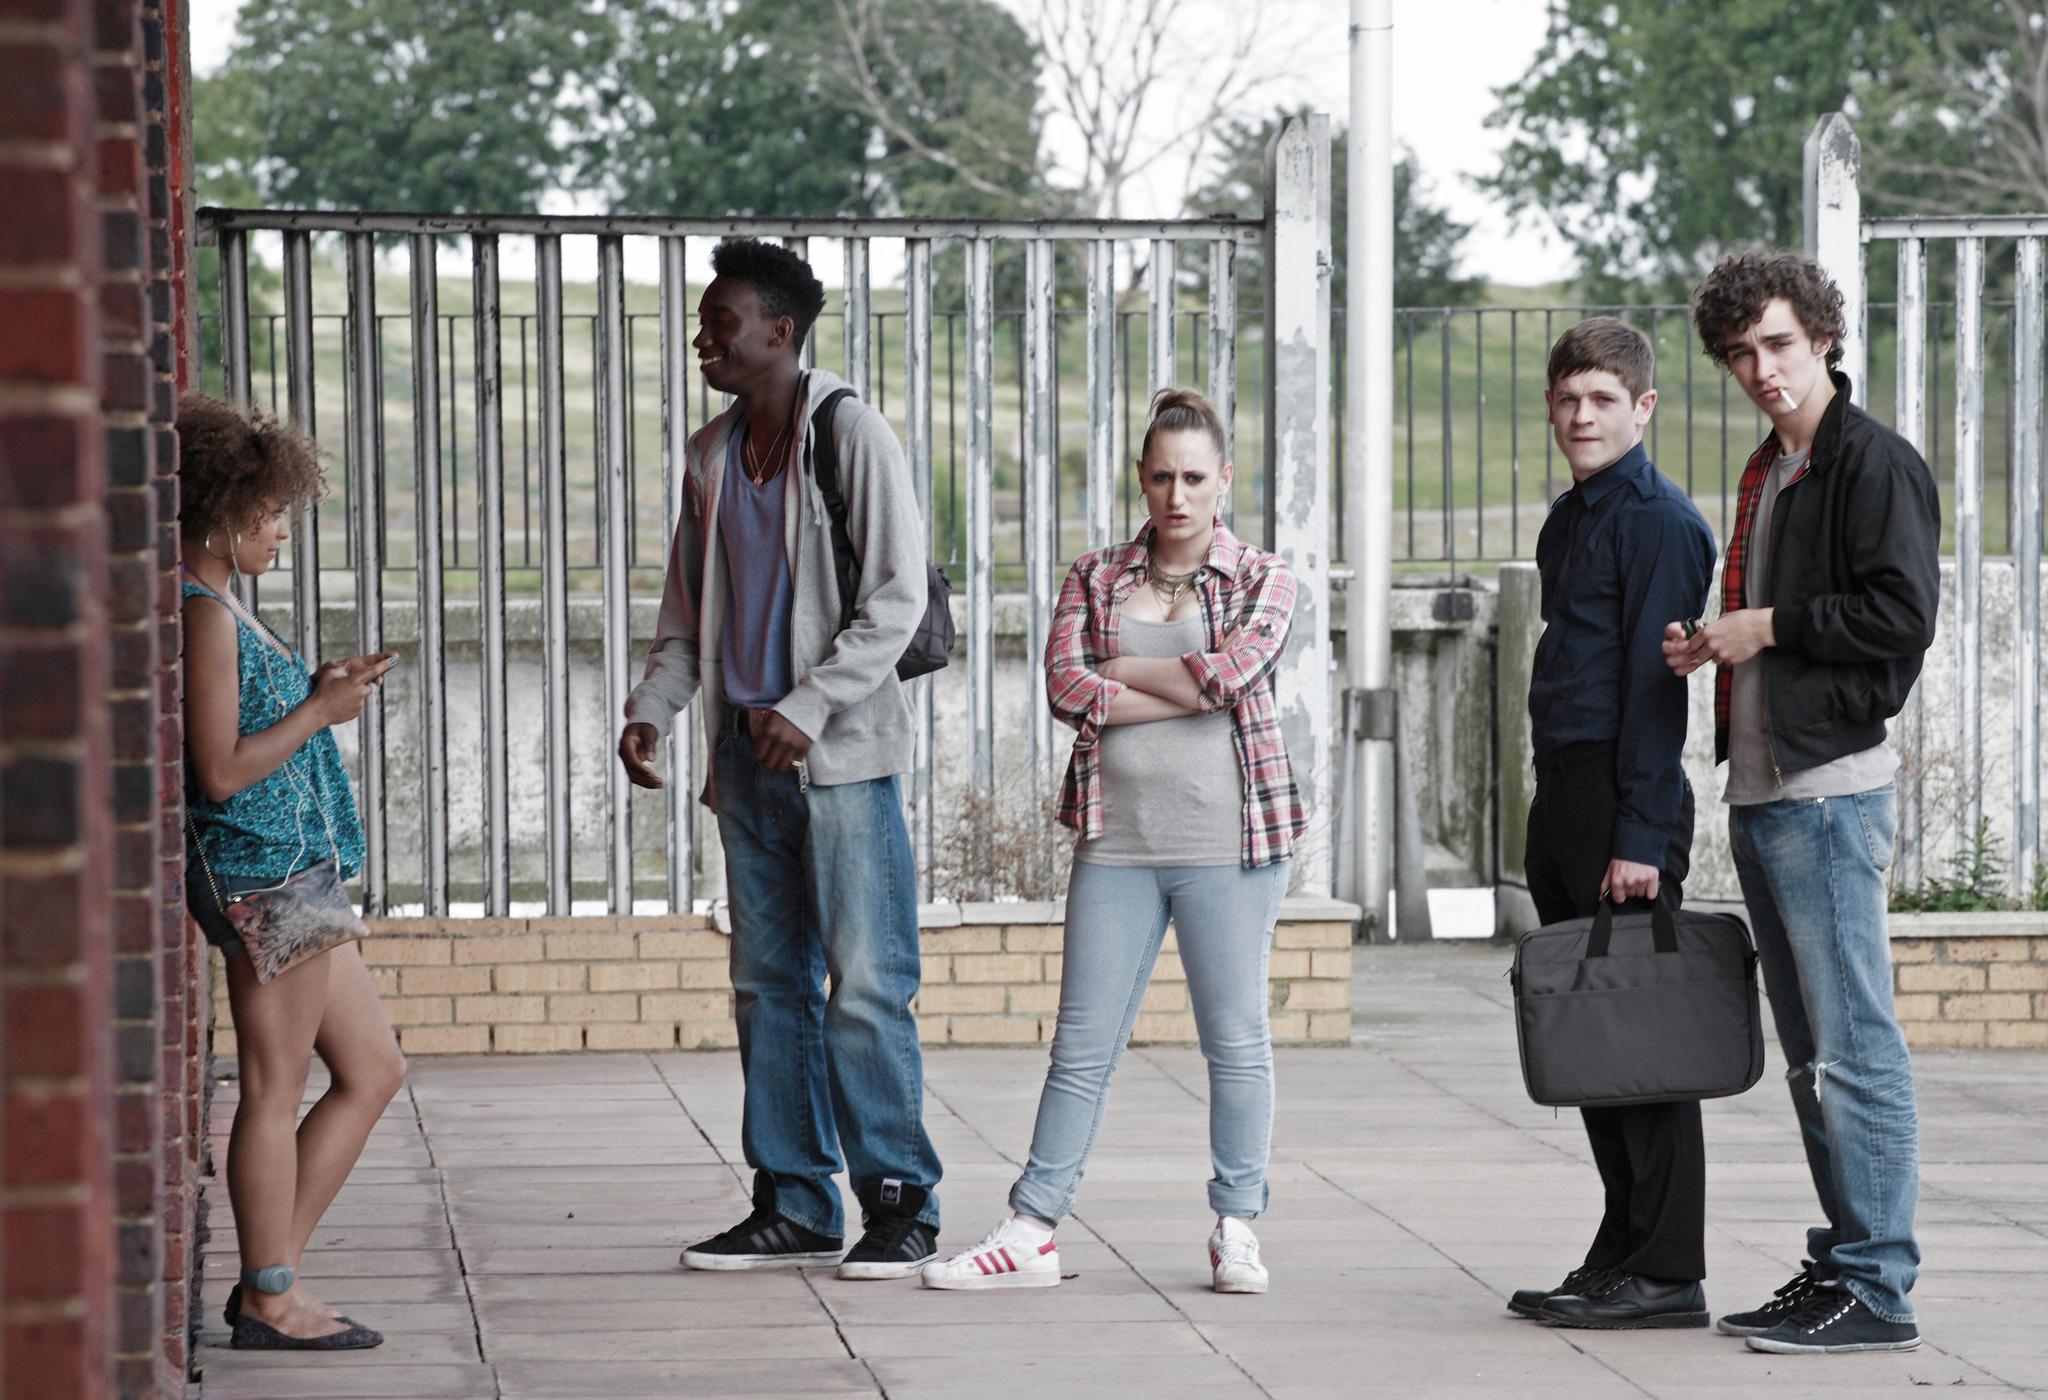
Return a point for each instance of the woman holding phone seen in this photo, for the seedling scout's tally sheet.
(267, 800)
(1160, 656)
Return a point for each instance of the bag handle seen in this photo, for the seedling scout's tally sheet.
(1663, 927)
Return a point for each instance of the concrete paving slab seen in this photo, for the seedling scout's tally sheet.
(779, 1376)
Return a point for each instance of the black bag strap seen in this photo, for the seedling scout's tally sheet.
(825, 471)
(1663, 927)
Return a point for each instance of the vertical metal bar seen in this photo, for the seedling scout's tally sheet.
(549, 337)
(1159, 356)
(1450, 554)
(1911, 420)
(1102, 460)
(807, 353)
(490, 554)
(1223, 355)
(612, 483)
(1479, 434)
(917, 446)
(1970, 529)
(857, 315)
(433, 653)
(1041, 472)
(981, 484)
(2029, 330)
(236, 355)
(1515, 434)
(366, 450)
(675, 440)
(298, 361)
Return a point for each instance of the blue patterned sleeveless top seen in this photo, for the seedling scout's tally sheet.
(273, 828)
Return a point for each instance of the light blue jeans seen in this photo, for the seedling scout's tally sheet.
(1116, 920)
(1813, 876)
(822, 882)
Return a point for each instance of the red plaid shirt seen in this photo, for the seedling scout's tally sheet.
(1241, 588)
(1735, 555)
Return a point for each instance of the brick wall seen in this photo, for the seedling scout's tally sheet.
(1971, 980)
(991, 977)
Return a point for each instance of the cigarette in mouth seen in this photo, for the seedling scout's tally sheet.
(1790, 402)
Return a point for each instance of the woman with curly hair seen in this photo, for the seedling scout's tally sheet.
(267, 799)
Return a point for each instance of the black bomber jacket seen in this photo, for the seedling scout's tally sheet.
(1854, 581)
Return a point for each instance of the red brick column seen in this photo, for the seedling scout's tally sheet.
(56, 837)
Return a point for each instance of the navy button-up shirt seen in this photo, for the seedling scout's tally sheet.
(1622, 554)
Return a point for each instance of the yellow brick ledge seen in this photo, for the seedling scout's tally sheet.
(655, 982)
(1971, 981)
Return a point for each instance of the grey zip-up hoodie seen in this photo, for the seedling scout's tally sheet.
(847, 697)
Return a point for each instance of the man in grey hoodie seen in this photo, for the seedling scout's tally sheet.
(809, 730)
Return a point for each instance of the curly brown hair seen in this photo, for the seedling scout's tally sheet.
(234, 466)
(1736, 292)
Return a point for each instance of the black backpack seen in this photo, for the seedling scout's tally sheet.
(933, 640)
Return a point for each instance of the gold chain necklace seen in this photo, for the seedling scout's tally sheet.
(1169, 589)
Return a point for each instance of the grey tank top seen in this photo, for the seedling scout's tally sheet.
(1172, 790)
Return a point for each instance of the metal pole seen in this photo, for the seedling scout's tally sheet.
(298, 359)
(2029, 330)
(981, 601)
(1041, 474)
(917, 446)
(366, 449)
(1369, 327)
(490, 495)
(807, 353)
(554, 570)
(1160, 363)
(235, 352)
(1969, 491)
(675, 441)
(1912, 425)
(433, 654)
(1834, 232)
(1102, 459)
(1223, 353)
(857, 315)
(613, 485)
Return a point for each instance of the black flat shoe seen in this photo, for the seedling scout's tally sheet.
(1621, 1301)
(232, 1313)
(251, 1335)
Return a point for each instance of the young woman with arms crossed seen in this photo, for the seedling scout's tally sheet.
(267, 798)
(1160, 657)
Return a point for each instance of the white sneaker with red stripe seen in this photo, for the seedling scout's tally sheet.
(1008, 1258)
(1234, 1257)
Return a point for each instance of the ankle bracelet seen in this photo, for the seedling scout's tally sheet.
(277, 1278)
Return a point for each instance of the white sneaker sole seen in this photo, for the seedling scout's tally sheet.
(878, 1268)
(740, 1263)
(1759, 1343)
(1240, 1285)
(1049, 1279)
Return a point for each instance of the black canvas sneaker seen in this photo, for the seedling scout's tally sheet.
(1836, 1320)
(1527, 1302)
(764, 1240)
(897, 1244)
(1783, 1304)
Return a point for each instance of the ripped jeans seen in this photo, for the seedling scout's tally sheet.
(1813, 876)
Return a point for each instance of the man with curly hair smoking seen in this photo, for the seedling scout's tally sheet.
(1828, 604)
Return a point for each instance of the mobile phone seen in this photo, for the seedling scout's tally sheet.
(1692, 629)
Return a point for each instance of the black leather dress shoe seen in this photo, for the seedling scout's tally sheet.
(1620, 1300)
(1528, 1302)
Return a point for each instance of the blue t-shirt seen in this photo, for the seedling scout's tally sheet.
(758, 587)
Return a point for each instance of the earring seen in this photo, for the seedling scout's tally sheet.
(207, 544)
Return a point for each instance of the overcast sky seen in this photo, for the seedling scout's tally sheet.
(1449, 56)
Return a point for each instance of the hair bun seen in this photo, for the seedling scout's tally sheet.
(1177, 409)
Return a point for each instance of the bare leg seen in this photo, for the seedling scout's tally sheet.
(365, 1070)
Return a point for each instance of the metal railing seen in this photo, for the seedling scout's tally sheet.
(607, 522)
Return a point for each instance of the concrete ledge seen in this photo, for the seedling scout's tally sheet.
(662, 982)
(1972, 980)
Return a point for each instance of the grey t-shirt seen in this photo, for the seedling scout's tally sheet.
(1752, 771)
(1172, 790)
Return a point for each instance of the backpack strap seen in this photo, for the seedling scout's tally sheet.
(824, 459)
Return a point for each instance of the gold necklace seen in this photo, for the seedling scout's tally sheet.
(1169, 589)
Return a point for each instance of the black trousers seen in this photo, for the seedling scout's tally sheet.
(1652, 1157)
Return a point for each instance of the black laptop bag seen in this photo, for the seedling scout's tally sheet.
(1638, 1008)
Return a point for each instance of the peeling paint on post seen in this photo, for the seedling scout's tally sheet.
(1834, 232)
(1297, 322)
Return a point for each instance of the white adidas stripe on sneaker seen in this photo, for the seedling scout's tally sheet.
(1005, 1259)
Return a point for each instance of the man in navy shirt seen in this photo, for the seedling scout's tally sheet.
(1622, 554)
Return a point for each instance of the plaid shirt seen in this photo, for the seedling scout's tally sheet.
(1241, 588)
(1735, 555)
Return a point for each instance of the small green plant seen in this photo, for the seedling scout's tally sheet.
(1976, 881)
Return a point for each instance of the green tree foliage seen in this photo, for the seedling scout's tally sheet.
(1660, 134)
(1426, 237)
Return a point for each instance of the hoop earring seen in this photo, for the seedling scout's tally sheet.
(234, 545)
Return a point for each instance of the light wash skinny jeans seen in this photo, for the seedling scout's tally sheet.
(1116, 920)
(1813, 877)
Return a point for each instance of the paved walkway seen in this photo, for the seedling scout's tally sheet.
(514, 1228)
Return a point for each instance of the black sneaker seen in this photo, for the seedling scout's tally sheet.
(764, 1240)
(1617, 1302)
(1783, 1304)
(897, 1244)
(1833, 1320)
(1527, 1302)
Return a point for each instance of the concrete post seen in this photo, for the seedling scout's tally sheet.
(1297, 322)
